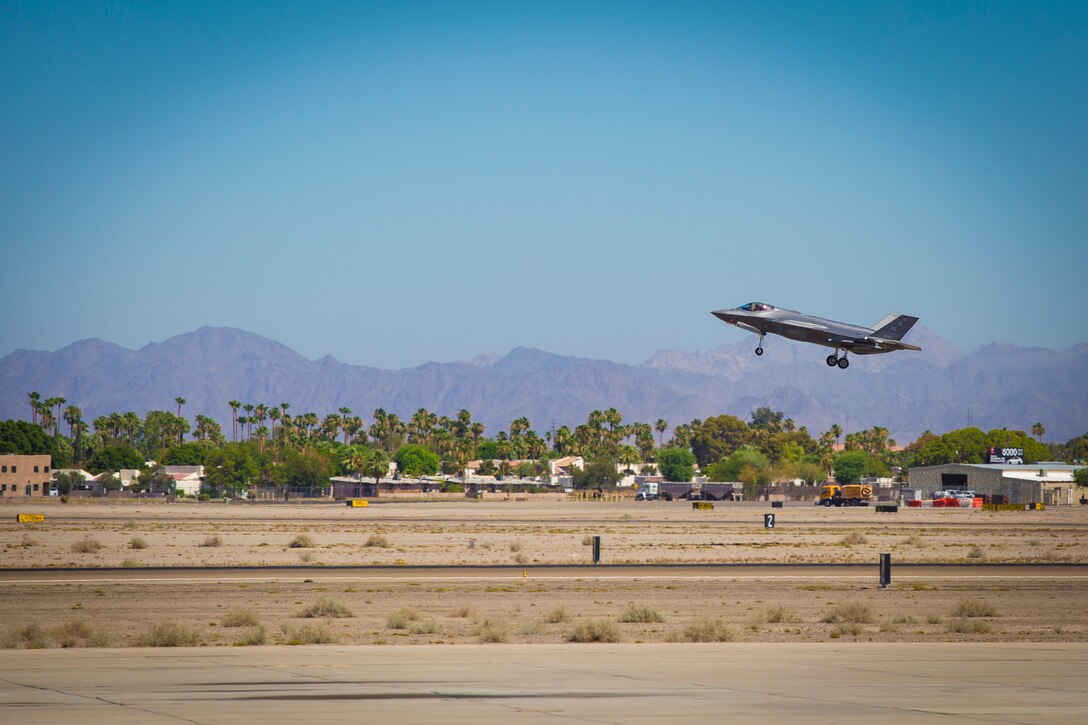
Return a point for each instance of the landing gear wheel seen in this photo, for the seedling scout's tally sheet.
(844, 363)
(759, 351)
(832, 361)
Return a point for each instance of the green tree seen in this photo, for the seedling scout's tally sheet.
(1038, 430)
(185, 454)
(114, 458)
(416, 460)
(849, 466)
(729, 468)
(155, 480)
(715, 438)
(676, 464)
(231, 469)
(68, 480)
(24, 439)
(1081, 476)
(597, 474)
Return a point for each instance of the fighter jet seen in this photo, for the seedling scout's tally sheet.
(761, 318)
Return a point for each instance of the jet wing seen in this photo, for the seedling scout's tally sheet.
(891, 344)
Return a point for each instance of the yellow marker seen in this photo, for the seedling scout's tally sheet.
(30, 518)
(524, 574)
(357, 502)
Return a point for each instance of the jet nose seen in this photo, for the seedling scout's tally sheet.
(725, 315)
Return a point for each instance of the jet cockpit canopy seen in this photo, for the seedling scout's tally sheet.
(756, 307)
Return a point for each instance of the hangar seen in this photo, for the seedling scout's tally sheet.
(1046, 482)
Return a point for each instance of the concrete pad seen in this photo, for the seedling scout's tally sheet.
(623, 683)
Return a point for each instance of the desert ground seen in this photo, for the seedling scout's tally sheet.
(402, 605)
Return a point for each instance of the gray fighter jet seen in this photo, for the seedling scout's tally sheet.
(761, 318)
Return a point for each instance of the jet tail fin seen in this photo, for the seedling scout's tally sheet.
(893, 326)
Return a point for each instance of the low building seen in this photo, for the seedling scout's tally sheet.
(1046, 482)
(354, 487)
(187, 479)
(25, 475)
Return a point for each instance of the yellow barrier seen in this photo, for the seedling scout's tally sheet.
(31, 518)
(1012, 507)
(358, 502)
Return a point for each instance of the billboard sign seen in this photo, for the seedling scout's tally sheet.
(1005, 455)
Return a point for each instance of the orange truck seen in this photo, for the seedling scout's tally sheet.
(852, 494)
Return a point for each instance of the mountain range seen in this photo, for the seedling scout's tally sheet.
(938, 389)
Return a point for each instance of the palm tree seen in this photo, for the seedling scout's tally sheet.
(1038, 430)
(180, 401)
(35, 400)
(660, 426)
(248, 408)
(234, 406)
(836, 432)
(72, 415)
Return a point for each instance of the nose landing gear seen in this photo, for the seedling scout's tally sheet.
(759, 347)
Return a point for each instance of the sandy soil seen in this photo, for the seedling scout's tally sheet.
(119, 612)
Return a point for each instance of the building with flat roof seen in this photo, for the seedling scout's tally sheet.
(1046, 482)
(25, 475)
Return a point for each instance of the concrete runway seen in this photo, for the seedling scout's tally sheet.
(624, 683)
(545, 571)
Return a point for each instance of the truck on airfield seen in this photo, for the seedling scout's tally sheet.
(852, 494)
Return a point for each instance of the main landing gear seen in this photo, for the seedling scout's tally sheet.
(842, 362)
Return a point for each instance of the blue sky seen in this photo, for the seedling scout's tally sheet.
(393, 183)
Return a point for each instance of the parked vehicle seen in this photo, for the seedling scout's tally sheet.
(852, 494)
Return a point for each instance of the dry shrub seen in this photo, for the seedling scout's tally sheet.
(86, 545)
(975, 553)
(29, 541)
(306, 557)
(492, 632)
(587, 540)
(533, 626)
(521, 558)
(378, 541)
(853, 538)
(169, 634)
(515, 546)
(325, 607)
(256, 637)
(462, 611)
(401, 618)
(708, 630)
(428, 627)
(557, 615)
(308, 634)
(596, 630)
(974, 608)
(129, 563)
(778, 614)
(635, 613)
(849, 613)
(213, 542)
(32, 636)
(137, 543)
(914, 540)
(80, 634)
(852, 629)
(240, 618)
(962, 625)
(302, 541)
(933, 619)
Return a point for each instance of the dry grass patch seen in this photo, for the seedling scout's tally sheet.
(137, 543)
(557, 615)
(462, 612)
(429, 626)
(492, 632)
(515, 546)
(307, 634)
(129, 563)
(849, 613)
(708, 630)
(256, 637)
(240, 618)
(169, 634)
(213, 542)
(31, 636)
(302, 541)
(635, 613)
(962, 625)
(974, 608)
(596, 630)
(914, 540)
(401, 618)
(86, 545)
(521, 558)
(378, 541)
(29, 541)
(80, 634)
(853, 629)
(532, 627)
(587, 540)
(975, 553)
(325, 607)
(854, 538)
